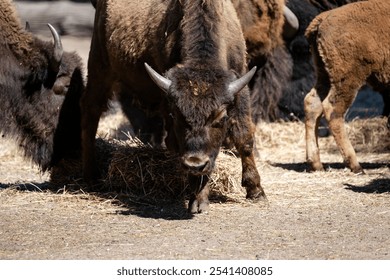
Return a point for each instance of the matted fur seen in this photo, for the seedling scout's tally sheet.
(262, 23)
(290, 106)
(350, 48)
(362, 47)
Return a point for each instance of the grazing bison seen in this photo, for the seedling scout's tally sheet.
(263, 23)
(202, 97)
(40, 86)
(350, 46)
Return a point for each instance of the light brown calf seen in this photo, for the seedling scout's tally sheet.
(351, 47)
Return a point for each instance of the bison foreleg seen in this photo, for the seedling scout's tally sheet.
(250, 175)
(199, 200)
(93, 103)
(88, 132)
(243, 138)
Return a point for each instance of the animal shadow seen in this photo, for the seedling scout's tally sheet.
(175, 209)
(305, 167)
(377, 186)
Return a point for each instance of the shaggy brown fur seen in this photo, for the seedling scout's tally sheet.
(200, 47)
(262, 22)
(12, 33)
(290, 105)
(34, 79)
(350, 47)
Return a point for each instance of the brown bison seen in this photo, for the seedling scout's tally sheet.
(350, 46)
(202, 96)
(290, 104)
(40, 88)
(265, 23)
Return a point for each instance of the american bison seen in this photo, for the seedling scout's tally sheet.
(290, 105)
(263, 23)
(202, 95)
(40, 86)
(350, 46)
(286, 71)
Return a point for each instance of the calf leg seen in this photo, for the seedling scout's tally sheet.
(335, 106)
(313, 112)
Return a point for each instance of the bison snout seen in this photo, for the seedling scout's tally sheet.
(197, 164)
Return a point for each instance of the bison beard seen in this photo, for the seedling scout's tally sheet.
(202, 97)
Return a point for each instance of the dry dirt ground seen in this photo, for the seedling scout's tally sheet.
(322, 215)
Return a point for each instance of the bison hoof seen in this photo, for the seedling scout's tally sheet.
(257, 194)
(316, 166)
(197, 206)
(358, 170)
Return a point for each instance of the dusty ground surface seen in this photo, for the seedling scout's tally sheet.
(323, 215)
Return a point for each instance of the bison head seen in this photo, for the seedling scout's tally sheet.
(197, 118)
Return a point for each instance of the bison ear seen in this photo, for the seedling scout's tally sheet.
(161, 81)
(239, 84)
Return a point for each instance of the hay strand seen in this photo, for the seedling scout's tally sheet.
(152, 175)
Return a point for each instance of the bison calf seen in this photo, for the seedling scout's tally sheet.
(350, 46)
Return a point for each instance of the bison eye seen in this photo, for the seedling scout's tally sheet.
(220, 119)
(219, 123)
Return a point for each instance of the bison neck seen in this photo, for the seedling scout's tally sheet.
(202, 28)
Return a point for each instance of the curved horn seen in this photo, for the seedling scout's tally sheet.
(161, 81)
(239, 84)
(291, 23)
(58, 50)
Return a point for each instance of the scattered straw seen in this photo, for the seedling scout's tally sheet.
(147, 174)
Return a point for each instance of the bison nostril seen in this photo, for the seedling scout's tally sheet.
(197, 163)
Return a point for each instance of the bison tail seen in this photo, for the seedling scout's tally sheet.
(313, 28)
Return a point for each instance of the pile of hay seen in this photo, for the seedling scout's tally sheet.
(149, 174)
(144, 173)
(366, 136)
(369, 135)
(156, 175)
